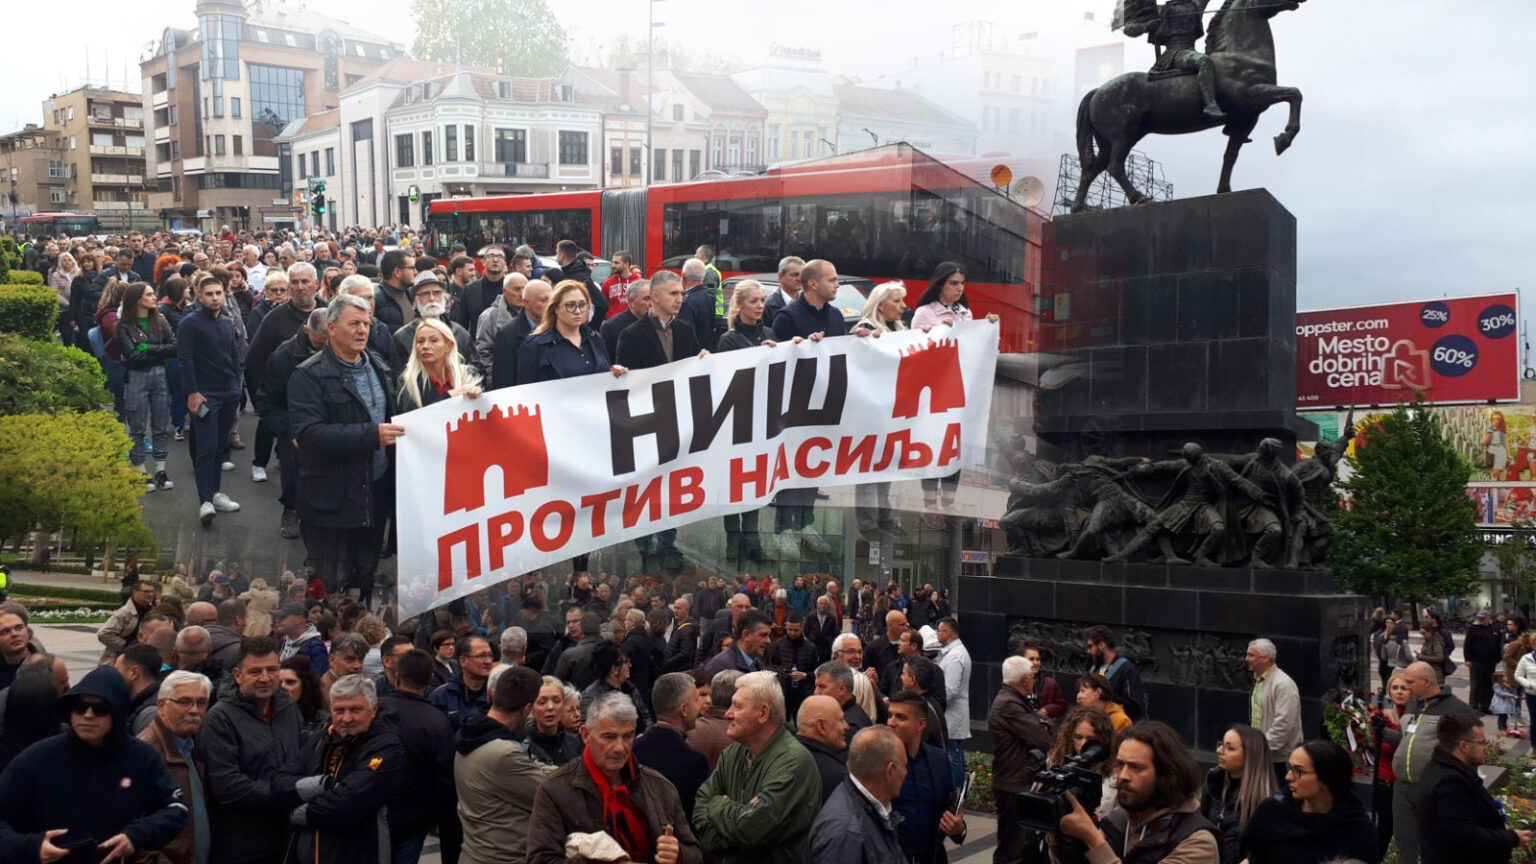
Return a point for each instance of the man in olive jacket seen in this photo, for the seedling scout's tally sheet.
(759, 805)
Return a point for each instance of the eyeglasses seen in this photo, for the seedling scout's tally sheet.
(1298, 771)
(575, 306)
(1476, 743)
(482, 656)
(496, 255)
(99, 709)
(185, 702)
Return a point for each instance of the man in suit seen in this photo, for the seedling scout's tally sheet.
(638, 298)
(503, 371)
(661, 336)
(789, 288)
(699, 302)
(683, 645)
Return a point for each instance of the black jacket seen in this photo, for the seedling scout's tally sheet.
(556, 749)
(577, 269)
(541, 638)
(833, 764)
(640, 346)
(95, 792)
(802, 319)
(663, 749)
(272, 399)
(615, 326)
(345, 823)
(477, 298)
(386, 310)
(337, 439)
(503, 371)
(849, 830)
(159, 345)
(1458, 820)
(534, 363)
(1279, 833)
(252, 766)
(277, 326)
(682, 649)
(774, 305)
(403, 342)
(786, 655)
(744, 335)
(1218, 804)
(699, 311)
(575, 664)
(822, 635)
(1482, 644)
(644, 661)
(427, 794)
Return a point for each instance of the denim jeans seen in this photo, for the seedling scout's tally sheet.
(114, 371)
(408, 849)
(178, 394)
(212, 434)
(957, 761)
(147, 396)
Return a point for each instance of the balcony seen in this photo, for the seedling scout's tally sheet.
(117, 179)
(526, 170)
(109, 122)
(119, 205)
(161, 99)
(114, 150)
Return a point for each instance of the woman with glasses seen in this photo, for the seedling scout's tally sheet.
(563, 345)
(1236, 786)
(1318, 819)
(274, 292)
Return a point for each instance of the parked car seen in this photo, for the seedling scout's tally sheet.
(852, 291)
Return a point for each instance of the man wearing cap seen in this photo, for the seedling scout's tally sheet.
(95, 785)
(300, 636)
(1483, 648)
(430, 298)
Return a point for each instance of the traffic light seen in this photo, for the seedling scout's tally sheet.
(317, 204)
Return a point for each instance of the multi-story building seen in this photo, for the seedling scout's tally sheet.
(36, 177)
(218, 96)
(872, 116)
(102, 132)
(733, 120)
(799, 104)
(620, 94)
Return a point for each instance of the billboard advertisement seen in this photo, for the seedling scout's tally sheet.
(1463, 349)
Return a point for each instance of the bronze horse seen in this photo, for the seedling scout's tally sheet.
(1116, 116)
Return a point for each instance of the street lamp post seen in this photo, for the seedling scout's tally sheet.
(650, 78)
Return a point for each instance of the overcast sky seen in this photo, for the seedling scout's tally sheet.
(1412, 176)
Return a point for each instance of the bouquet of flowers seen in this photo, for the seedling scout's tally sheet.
(1347, 719)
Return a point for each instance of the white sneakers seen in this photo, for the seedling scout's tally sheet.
(227, 466)
(205, 514)
(258, 474)
(223, 504)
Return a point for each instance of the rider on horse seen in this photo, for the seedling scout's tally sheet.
(1175, 27)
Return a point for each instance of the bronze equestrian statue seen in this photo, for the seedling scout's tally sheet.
(1232, 84)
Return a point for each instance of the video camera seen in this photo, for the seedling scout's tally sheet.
(1043, 808)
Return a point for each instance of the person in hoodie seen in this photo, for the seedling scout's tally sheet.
(354, 771)
(251, 739)
(93, 787)
(300, 637)
(1318, 819)
(574, 266)
(494, 777)
(426, 797)
(226, 633)
(549, 741)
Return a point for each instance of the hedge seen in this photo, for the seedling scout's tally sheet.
(31, 310)
(46, 378)
(24, 277)
(70, 472)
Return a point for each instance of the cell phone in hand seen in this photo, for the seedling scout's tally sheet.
(203, 409)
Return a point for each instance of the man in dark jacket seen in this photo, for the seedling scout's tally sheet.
(392, 301)
(575, 664)
(251, 739)
(357, 768)
(272, 402)
(639, 295)
(1458, 819)
(699, 301)
(466, 694)
(927, 802)
(813, 314)
(821, 729)
(663, 335)
(541, 633)
(1484, 650)
(664, 746)
(209, 353)
(822, 627)
(426, 796)
(683, 644)
(92, 784)
(226, 633)
(835, 678)
(708, 600)
(574, 266)
(340, 403)
(1015, 731)
(794, 657)
(482, 292)
(856, 824)
(509, 339)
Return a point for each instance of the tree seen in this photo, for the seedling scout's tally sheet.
(532, 43)
(629, 51)
(1410, 531)
(1515, 556)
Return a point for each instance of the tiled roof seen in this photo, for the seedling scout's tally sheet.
(302, 19)
(719, 92)
(475, 85)
(408, 70)
(895, 104)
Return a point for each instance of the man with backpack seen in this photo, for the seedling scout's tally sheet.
(1123, 675)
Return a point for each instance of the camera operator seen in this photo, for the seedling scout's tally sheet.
(1158, 818)
(1019, 736)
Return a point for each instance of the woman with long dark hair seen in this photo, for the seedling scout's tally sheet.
(1240, 782)
(147, 344)
(298, 679)
(1318, 819)
(1078, 727)
(31, 710)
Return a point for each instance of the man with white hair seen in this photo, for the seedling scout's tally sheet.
(255, 271)
(362, 287)
(277, 326)
(353, 771)
(182, 703)
(429, 297)
(1274, 707)
(514, 647)
(505, 310)
(1016, 732)
(699, 301)
(759, 803)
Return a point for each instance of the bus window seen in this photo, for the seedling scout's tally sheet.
(744, 234)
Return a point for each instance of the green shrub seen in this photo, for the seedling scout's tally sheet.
(10, 259)
(979, 797)
(46, 378)
(95, 595)
(70, 472)
(24, 277)
(31, 310)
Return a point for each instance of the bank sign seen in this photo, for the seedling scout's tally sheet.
(1464, 349)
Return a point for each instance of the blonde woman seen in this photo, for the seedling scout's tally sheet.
(564, 345)
(435, 371)
(883, 310)
(259, 603)
(62, 276)
(744, 321)
(872, 501)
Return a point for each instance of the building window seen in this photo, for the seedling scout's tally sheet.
(218, 145)
(299, 160)
(751, 151)
(450, 143)
(234, 106)
(330, 161)
(56, 196)
(277, 96)
(660, 169)
(677, 113)
(693, 162)
(405, 151)
(469, 143)
(511, 146)
(1013, 119)
(677, 166)
(716, 148)
(573, 148)
(773, 140)
(617, 159)
(220, 35)
(239, 142)
(314, 163)
(733, 153)
(362, 130)
(175, 150)
(426, 148)
(634, 161)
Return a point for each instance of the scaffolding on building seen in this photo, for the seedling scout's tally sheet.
(1105, 194)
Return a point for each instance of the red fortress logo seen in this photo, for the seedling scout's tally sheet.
(512, 441)
(932, 366)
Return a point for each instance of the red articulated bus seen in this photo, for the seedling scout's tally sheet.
(889, 213)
